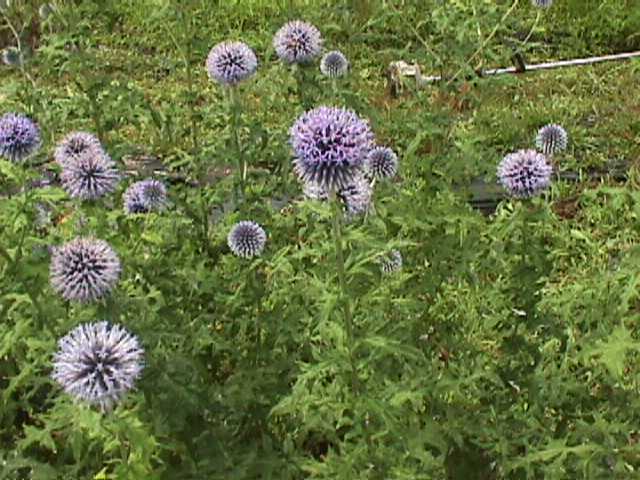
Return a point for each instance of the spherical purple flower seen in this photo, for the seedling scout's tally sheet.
(12, 56)
(84, 270)
(330, 145)
(391, 263)
(19, 137)
(98, 363)
(382, 162)
(75, 144)
(552, 139)
(145, 196)
(247, 239)
(89, 175)
(524, 173)
(356, 196)
(334, 64)
(229, 63)
(297, 42)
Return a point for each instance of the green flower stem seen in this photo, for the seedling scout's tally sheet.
(344, 298)
(234, 113)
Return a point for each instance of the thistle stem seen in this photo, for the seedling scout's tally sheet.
(344, 298)
(234, 107)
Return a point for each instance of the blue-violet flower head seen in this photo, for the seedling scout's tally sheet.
(89, 175)
(247, 239)
(524, 173)
(297, 42)
(391, 263)
(356, 196)
(84, 270)
(330, 145)
(552, 139)
(334, 64)
(542, 3)
(145, 196)
(19, 137)
(74, 145)
(381, 163)
(228, 63)
(98, 363)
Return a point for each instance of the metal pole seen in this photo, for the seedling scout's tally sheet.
(400, 69)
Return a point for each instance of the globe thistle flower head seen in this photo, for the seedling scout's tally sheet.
(19, 137)
(381, 163)
(228, 63)
(12, 56)
(334, 64)
(145, 196)
(552, 139)
(74, 145)
(84, 270)
(89, 175)
(391, 263)
(247, 239)
(98, 363)
(542, 3)
(524, 173)
(313, 191)
(356, 196)
(330, 145)
(297, 42)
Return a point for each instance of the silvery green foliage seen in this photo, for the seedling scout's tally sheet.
(334, 64)
(552, 139)
(74, 145)
(84, 270)
(330, 145)
(297, 42)
(98, 363)
(145, 196)
(381, 163)
(89, 175)
(524, 173)
(391, 263)
(229, 63)
(247, 239)
(19, 137)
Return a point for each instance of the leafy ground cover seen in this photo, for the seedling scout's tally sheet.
(506, 346)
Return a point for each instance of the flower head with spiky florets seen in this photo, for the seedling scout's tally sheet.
(330, 145)
(19, 137)
(145, 196)
(89, 175)
(382, 162)
(74, 145)
(391, 263)
(552, 139)
(84, 269)
(542, 3)
(228, 63)
(98, 363)
(247, 239)
(13, 57)
(334, 64)
(524, 173)
(356, 196)
(297, 42)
